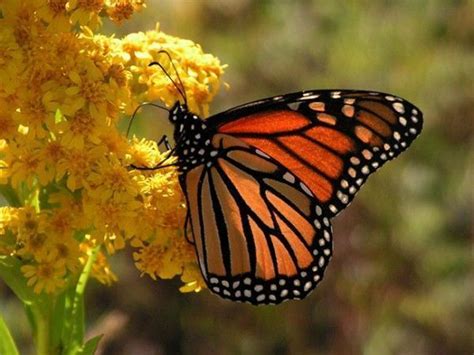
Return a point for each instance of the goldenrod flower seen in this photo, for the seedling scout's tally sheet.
(8, 125)
(46, 274)
(86, 12)
(11, 59)
(121, 10)
(54, 13)
(25, 165)
(101, 270)
(144, 152)
(63, 91)
(192, 279)
(68, 250)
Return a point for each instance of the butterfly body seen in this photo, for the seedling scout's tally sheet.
(193, 134)
(262, 181)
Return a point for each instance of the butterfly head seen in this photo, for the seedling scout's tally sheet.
(178, 113)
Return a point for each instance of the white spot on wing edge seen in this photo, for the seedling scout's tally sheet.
(289, 177)
(261, 297)
(310, 97)
(306, 189)
(294, 105)
(259, 152)
(399, 107)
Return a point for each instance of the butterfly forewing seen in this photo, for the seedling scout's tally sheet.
(331, 140)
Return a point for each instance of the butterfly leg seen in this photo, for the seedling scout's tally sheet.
(148, 168)
(164, 140)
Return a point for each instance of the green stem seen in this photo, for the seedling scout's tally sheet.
(42, 333)
(7, 344)
(42, 313)
(77, 315)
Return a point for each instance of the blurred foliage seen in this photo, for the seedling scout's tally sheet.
(399, 282)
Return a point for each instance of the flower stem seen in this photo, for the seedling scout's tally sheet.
(43, 317)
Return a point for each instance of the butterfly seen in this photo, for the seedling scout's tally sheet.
(263, 180)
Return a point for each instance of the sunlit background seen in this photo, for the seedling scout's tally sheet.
(399, 280)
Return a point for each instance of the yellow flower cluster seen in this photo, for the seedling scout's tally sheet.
(63, 161)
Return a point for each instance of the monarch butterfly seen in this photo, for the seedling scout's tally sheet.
(262, 181)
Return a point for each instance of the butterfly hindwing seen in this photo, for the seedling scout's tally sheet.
(259, 234)
(331, 140)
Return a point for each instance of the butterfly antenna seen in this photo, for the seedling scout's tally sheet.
(179, 87)
(138, 108)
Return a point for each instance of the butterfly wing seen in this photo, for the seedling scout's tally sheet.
(259, 235)
(260, 209)
(331, 140)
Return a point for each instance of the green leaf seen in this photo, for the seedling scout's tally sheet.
(10, 195)
(10, 273)
(7, 344)
(90, 347)
(74, 338)
(59, 319)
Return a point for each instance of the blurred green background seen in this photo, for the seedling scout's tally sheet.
(400, 281)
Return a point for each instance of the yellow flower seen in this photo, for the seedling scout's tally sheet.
(111, 179)
(164, 260)
(144, 152)
(4, 171)
(86, 12)
(77, 164)
(7, 240)
(54, 13)
(150, 260)
(25, 164)
(8, 125)
(114, 142)
(60, 222)
(47, 70)
(62, 93)
(80, 129)
(121, 10)
(199, 72)
(50, 153)
(192, 279)
(88, 89)
(45, 275)
(70, 208)
(7, 215)
(34, 115)
(113, 220)
(31, 231)
(20, 17)
(68, 250)
(101, 270)
(11, 61)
